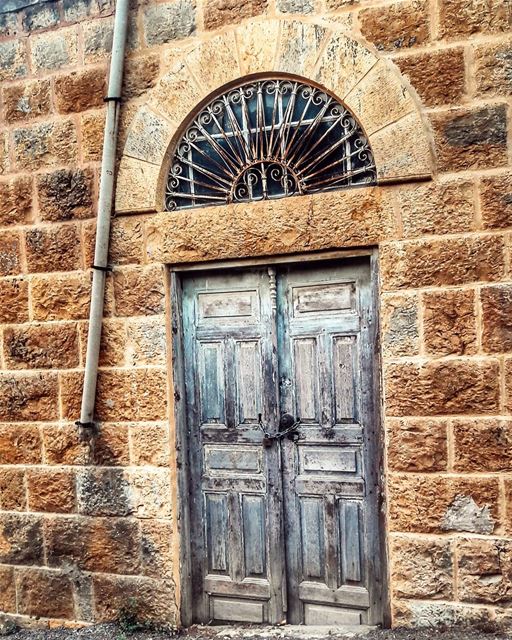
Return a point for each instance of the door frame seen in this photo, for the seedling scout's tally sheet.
(177, 393)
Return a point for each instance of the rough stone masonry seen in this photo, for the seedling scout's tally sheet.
(87, 526)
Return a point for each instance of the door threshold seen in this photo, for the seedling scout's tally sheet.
(291, 631)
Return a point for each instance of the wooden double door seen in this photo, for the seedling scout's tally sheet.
(284, 462)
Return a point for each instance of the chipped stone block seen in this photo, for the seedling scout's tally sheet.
(169, 21)
(298, 47)
(149, 137)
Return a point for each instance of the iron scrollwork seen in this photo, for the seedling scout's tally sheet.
(268, 139)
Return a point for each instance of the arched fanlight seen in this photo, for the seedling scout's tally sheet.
(266, 139)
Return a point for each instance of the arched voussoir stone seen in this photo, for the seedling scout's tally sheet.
(386, 107)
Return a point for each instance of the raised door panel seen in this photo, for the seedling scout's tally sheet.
(321, 326)
(229, 347)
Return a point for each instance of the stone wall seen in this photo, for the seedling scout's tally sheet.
(87, 526)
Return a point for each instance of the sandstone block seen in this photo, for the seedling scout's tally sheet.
(496, 201)
(437, 263)
(97, 36)
(169, 21)
(421, 568)
(71, 386)
(20, 444)
(14, 296)
(52, 346)
(436, 208)
(5, 162)
(150, 491)
(55, 248)
(218, 13)
(411, 613)
(436, 504)
(44, 16)
(103, 492)
(53, 50)
(257, 47)
(131, 395)
(139, 291)
(395, 26)
(66, 194)
(51, 490)
(15, 201)
(298, 47)
(45, 145)
(28, 397)
(156, 548)
(12, 492)
(468, 139)
(7, 590)
(136, 185)
(413, 158)
(147, 342)
(106, 545)
(113, 345)
(150, 445)
(61, 297)
(343, 63)
(462, 18)
(21, 539)
(508, 505)
(92, 125)
(374, 108)
(13, 60)
(508, 385)
(437, 76)
(75, 10)
(295, 6)
(492, 68)
(460, 386)
(449, 322)
(26, 100)
(417, 444)
(110, 446)
(80, 90)
(482, 445)
(9, 25)
(63, 445)
(399, 317)
(140, 75)
(45, 593)
(214, 62)
(485, 570)
(148, 137)
(496, 304)
(10, 253)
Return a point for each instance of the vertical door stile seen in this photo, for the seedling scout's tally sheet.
(275, 490)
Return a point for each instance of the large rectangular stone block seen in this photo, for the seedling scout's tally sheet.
(482, 445)
(417, 444)
(442, 387)
(28, 397)
(52, 346)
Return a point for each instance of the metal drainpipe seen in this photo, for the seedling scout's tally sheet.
(104, 214)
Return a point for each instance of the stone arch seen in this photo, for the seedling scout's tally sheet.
(371, 87)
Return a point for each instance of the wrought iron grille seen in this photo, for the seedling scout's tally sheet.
(268, 139)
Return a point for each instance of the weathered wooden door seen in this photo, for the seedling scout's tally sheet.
(283, 528)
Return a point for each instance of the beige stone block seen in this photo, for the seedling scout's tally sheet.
(150, 445)
(298, 47)
(150, 492)
(482, 445)
(214, 62)
(417, 444)
(449, 322)
(380, 98)
(485, 570)
(421, 568)
(61, 297)
(136, 186)
(176, 94)
(427, 503)
(436, 208)
(343, 63)
(402, 150)
(148, 137)
(147, 341)
(257, 43)
(399, 325)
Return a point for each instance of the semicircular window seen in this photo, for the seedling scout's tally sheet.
(268, 139)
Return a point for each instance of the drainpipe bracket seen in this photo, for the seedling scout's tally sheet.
(112, 99)
(85, 425)
(108, 269)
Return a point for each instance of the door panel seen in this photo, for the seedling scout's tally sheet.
(322, 322)
(230, 365)
(264, 342)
